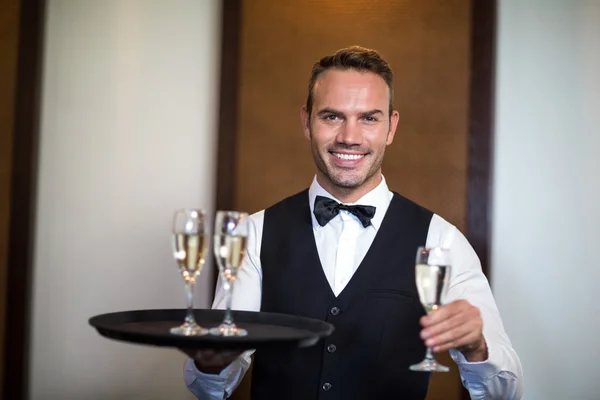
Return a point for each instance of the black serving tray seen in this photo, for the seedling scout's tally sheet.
(265, 330)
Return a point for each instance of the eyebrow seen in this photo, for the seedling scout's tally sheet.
(329, 111)
(337, 112)
(371, 113)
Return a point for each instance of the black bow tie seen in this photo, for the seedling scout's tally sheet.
(326, 209)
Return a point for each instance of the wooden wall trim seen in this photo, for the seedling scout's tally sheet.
(228, 107)
(9, 36)
(22, 199)
(231, 21)
(481, 131)
(481, 127)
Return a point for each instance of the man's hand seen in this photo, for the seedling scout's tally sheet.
(457, 325)
(211, 361)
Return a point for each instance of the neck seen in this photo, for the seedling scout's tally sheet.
(349, 195)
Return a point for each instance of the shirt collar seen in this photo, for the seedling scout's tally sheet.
(379, 198)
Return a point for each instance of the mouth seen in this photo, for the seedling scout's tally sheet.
(347, 159)
(346, 156)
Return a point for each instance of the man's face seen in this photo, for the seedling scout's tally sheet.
(349, 127)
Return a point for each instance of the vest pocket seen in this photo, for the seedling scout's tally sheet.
(403, 295)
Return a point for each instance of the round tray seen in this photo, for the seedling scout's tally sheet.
(265, 330)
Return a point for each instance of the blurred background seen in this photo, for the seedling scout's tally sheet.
(114, 113)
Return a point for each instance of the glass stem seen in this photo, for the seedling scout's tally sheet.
(228, 320)
(429, 355)
(189, 292)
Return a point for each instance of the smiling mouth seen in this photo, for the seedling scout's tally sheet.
(350, 157)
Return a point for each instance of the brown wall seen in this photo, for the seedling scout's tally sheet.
(9, 34)
(427, 44)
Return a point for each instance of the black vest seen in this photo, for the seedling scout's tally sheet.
(376, 316)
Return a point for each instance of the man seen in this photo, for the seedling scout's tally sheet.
(354, 267)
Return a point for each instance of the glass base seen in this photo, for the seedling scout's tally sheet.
(189, 329)
(228, 330)
(429, 365)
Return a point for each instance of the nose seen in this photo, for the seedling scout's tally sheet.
(350, 133)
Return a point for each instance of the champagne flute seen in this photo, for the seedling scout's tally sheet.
(432, 273)
(189, 250)
(230, 239)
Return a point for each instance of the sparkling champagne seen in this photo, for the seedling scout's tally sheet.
(189, 251)
(432, 284)
(230, 251)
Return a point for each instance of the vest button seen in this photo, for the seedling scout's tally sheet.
(326, 386)
(335, 311)
(331, 348)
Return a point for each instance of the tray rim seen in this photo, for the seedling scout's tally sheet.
(207, 342)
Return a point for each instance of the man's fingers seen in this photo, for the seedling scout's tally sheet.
(452, 322)
(455, 325)
(445, 312)
(211, 358)
(450, 336)
(189, 352)
(456, 342)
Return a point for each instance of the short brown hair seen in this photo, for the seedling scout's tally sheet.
(352, 58)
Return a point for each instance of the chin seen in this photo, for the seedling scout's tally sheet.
(347, 183)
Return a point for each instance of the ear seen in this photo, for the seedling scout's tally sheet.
(393, 124)
(305, 121)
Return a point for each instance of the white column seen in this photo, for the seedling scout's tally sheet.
(128, 134)
(546, 220)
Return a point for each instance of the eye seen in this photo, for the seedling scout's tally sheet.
(330, 117)
(370, 119)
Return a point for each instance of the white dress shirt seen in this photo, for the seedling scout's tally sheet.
(342, 244)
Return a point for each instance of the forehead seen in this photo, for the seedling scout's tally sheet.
(336, 88)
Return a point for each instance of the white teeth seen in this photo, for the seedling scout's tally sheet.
(348, 156)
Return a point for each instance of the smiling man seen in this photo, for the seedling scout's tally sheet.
(343, 250)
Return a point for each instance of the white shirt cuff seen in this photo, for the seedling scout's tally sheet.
(477, 371)
(204, 386)
(489, 379)
(213, 386)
